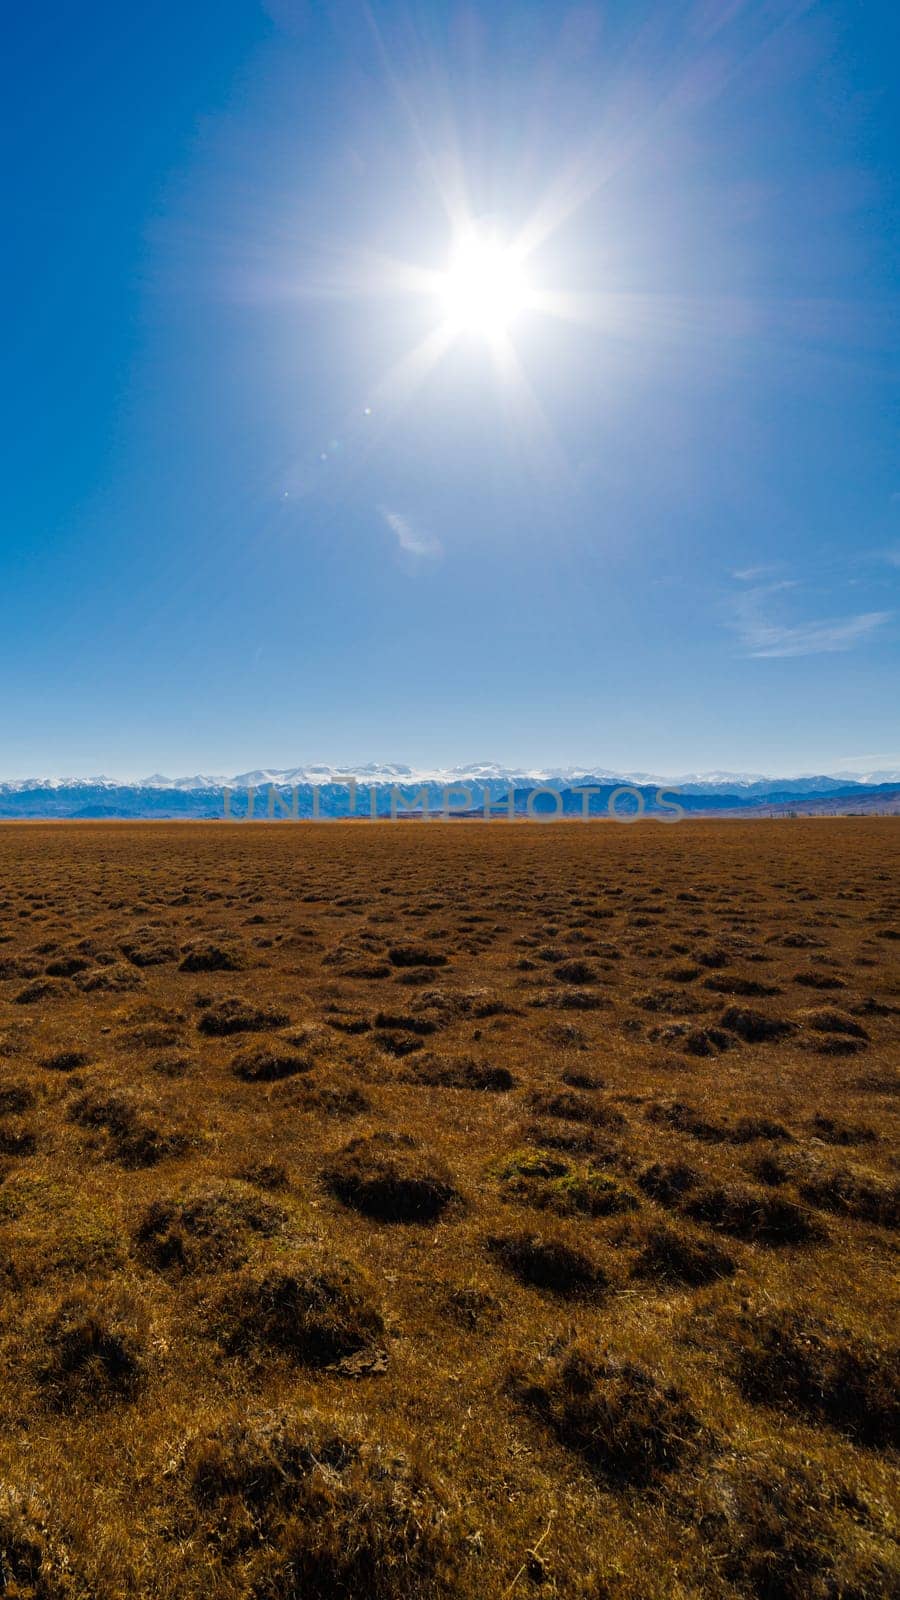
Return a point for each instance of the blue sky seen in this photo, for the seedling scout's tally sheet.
(244, 525)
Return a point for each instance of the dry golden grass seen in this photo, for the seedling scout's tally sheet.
(404, 1212)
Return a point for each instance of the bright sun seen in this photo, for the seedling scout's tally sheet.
(484, 287)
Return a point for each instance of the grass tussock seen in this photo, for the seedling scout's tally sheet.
(547, 1261)
(570, 1106)
(34, 1561)
(318, 1511)
(221, 1018)
(849, 1192)
(684, 1118)
(793, 1360)
(387, 1176)
(755, 1027)
(777, 1529)
(338, 1097)
(135, 1136)
(675, 1255)
(92, 1355)
(460, 1072)
(262, 1063)
(209, 1232)
(317, 1311)
(630, 1428)
(753, 1215)
(210, 955)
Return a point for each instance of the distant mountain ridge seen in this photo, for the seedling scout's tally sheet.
(325, 790)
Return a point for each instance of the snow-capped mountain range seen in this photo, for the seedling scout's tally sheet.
(323, 790)
(477, 773)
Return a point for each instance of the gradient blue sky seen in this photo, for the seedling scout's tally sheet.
(231, 539)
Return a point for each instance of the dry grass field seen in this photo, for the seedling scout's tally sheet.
(404, 1212)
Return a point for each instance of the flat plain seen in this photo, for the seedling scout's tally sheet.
(410, 1211)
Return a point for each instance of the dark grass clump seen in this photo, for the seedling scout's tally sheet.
(576, 1138)
(17, 1139)
(711, 957)
(547, 1262)
(460, 1072)
(834, 1130)
(208, 955)
(877, 1083)
(669, 1002)
(147, 947)
(348, 1024)
(736, 983)
(828, 1019)
(672, 1255)
(263, 1063)
(406, 1022)
(115, 979)
(576, 971)
(565, 1035)
(816, 978)
(317, 1312)
(575, 1079)
(33, 1562)
(388, 1177)
(92, 1357)
(706, 1041)
(771, 1168)
(133, 1137)
(415, 955)
(629, 1428)
(41, 989)
(683, 1118)
(151, 1036)
(397, 1043)
(233, 1015)
(316, 1513)
(340, 1098)
(753, 1215)
(747, 1129)
(792, 1360)
(572, 1107)
(755, 1027)
(572, 999)
(835, 1044)
(472, 1307)
(66, 1061)
(171, 1066)
(204, 1233)
(849, 1192)
(15, 1098)
(270, 1175)
(668, 1182)
(780, 1530)
(66, 966)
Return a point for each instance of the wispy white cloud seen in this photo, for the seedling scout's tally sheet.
(763, 634)
(409, 539)
(752, 574)
(812, 638)
(879, 755)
